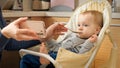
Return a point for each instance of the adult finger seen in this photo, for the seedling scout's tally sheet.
(26, 33)
(20, 20)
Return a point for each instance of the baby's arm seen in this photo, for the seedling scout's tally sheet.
(88, 44)
(43, 49)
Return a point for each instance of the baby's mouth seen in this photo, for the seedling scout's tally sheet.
(79, 32)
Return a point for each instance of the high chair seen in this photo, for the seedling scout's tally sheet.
(67, 59)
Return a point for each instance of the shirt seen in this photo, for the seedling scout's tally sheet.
(72, 42)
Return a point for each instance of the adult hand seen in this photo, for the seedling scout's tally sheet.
(19, 30)
(55, 29)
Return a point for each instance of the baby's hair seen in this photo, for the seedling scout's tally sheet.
(98, 16)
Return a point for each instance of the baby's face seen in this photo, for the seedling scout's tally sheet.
(87, 26)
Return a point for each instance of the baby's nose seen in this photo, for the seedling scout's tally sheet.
(80, 27)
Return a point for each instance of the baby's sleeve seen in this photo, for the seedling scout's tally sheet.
(86, 46)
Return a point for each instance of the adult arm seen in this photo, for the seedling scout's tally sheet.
(16, 45)
(3, 39)
(12, 44)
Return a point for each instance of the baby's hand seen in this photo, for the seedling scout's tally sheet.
(93, 38)
(44, 50)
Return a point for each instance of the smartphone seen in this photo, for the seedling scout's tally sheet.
(38, 26)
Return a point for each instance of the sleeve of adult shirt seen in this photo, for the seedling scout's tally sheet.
(13, 44)
(3, 39)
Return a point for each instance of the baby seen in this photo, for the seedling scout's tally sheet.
(89, 26)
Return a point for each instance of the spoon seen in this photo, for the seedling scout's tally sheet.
(67, 28)
(70, 29)
(73, 31)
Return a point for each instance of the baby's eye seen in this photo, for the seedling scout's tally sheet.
(78, 24)
(85, 25)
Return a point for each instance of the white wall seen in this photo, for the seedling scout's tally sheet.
(117, 3)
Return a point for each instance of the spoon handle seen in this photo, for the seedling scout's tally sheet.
(73, 31)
